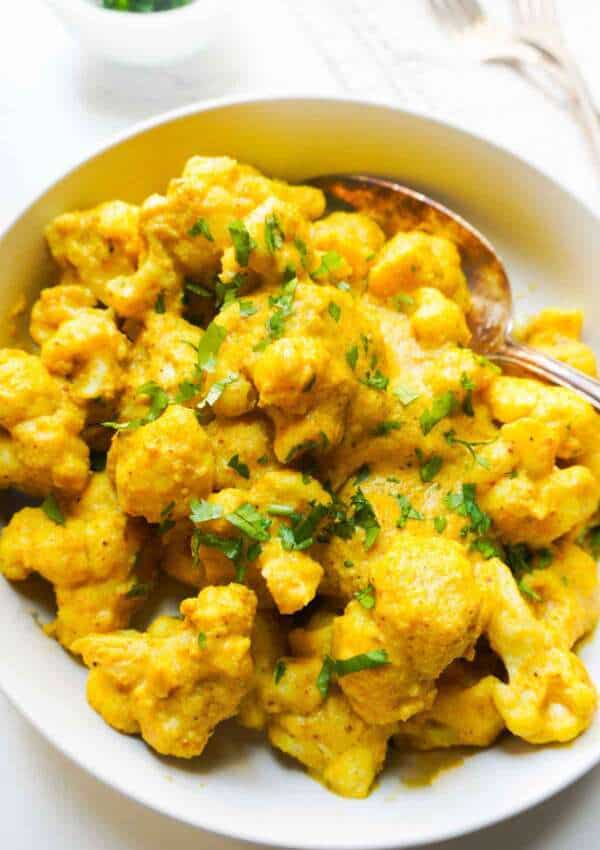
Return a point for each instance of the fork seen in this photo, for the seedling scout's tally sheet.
(538, 26)
(466, 21)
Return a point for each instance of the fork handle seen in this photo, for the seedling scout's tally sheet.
(585, 106)
(514, 353)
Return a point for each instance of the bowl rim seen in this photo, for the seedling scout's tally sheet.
(93, 13)
(234, 831)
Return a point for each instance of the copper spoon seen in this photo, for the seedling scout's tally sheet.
(395, 208)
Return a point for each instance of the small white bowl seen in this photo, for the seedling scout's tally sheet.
(153, 38)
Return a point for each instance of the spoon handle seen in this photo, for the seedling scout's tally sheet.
(547, 367)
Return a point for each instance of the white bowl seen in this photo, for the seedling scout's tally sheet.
(241, 788)
(153, 38)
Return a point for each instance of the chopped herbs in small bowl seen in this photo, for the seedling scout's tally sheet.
(140, 38)
(144, 5)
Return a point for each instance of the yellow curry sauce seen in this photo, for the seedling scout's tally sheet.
(383, 536)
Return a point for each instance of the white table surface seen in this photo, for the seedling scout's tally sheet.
(56, 104)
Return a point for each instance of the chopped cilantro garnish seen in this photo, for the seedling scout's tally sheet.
(406, 511)
(281, 510)
(405, 394)
(243, 243)
(140, 588)
(488, 548)
(201, 228)
(300, 534)
(364, 661)
(402, 300)
(364, 516)
(249, 520)
(362, 473)
(453, 440)
(308, 446)
(330, 261)
(334, 310)
(247, 308)
(159, 304)
(217, 389)
(428, 467)
(348, 564)
(366, 596)
(527, 590)
(283, 304)
(263, 460)
(442, 406)
(468, 385)
(440, 523)
(208, 347)
(52, 509)
(279, 671)
(382, 429)
(201, 640)
(324, 677)
(274, 235)
(166, 523)
(352, 357)
(236, 464)
(192, 286)
(376, 380)
(303, 251)
(231, 547)
(253, 551)
(159, 401)
(186, 391)
(464, 504)
(522, 559)
(203, 511)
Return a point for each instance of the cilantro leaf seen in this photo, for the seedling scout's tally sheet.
(405, 395)
(364, 661)
(203, 511)
(201, 228)
(140, 588)
(324, 677)
(366, 596)
(330, 261)
(279, 671)
(334, 310)
(428, 467)
(191, 286)
(464, 504)
(528, 591)
(442, 406)
(488, 548)
(247, 308)
(382, 429)
(186, 391)
(453, 440)
(243, 243)
(208, 347)
(352, 357)
(364, 516)
(217, 389)
(303, 251)
(159, 305)
(159, 401)
(440, 523)
(300, 534)
(362, 473)
(249, 520)
(406, 511)
(231, 547)
(376, 380)
(201, 640)
(274, 235)
(52, 509)
(236, 464)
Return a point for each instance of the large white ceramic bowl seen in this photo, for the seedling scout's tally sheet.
(240, 788)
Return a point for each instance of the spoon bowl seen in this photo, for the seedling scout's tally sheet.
(397, 208)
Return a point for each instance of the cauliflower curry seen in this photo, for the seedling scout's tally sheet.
(384, 540)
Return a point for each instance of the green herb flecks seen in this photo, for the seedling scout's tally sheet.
(238, 466)
(366, 597)
(330, 261)
(364, 661)
(52, 509)
(406, 511)
(382, 429)
(243, 243)
(428, 466)
(364, 516)
(405, 394)
(352, 357)
(279, 671)
(469, 445)
(442, 406)
(159, 304)
(217, 390)
(334, 310)
(464, 503)
(201, 228)
(274, 235)
(159, 401)
(203, 511)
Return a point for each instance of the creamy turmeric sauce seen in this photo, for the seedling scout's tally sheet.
(380, 534)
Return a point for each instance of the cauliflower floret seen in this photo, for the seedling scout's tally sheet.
(426, 612)
(40, 447)
(56, 305)
(250, 439)
(94, 246)
(564, 595)
(540, 511)
(557, 333)
(159, 467)
(90, 352)
(576, 423)
(298, 365)
(292, 577)
(94, 558)
(163, 354)
(354, 237)
(437, 320)
(415, 259)
(277, 241)
(464, 713)
(549, 696)
(176, 682)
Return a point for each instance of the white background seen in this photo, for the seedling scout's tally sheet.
(57, 104)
